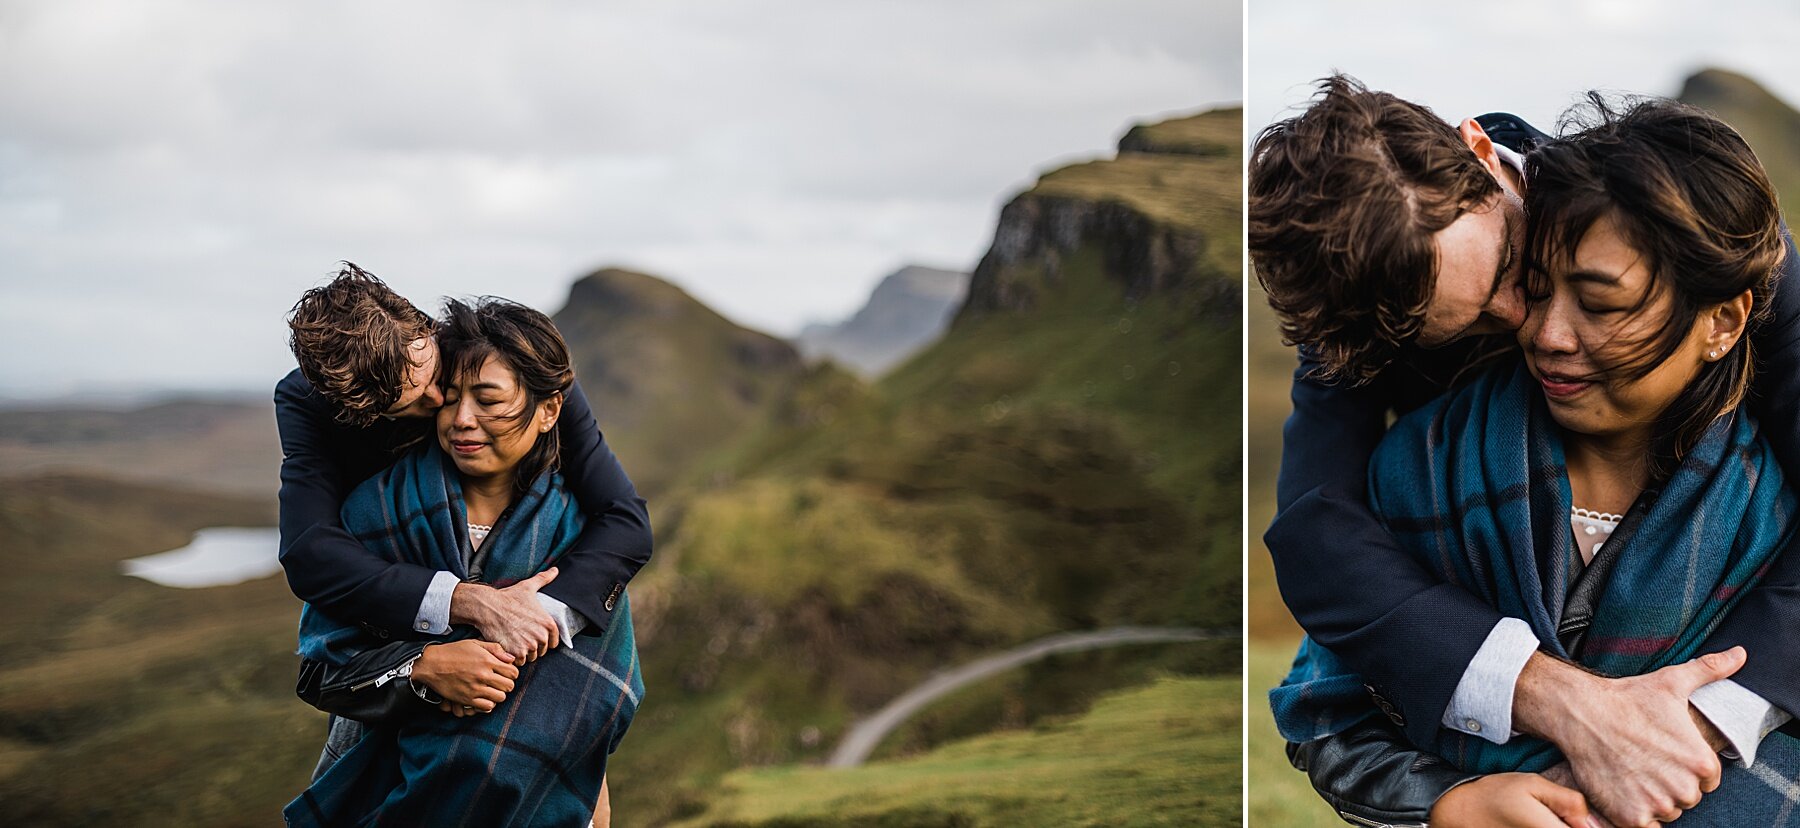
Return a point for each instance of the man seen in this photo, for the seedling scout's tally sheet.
(366, 390)
(1389, 244)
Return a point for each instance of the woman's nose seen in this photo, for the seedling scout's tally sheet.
(1551, 331)
(465, 414)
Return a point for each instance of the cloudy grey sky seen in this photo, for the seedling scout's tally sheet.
(1529, 57)
(174, 174)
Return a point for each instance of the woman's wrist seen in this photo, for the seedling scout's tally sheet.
(421, 674)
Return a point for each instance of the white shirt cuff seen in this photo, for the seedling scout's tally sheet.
(1742, 717)
(434, 610)
(568, 621)
(1482, 703)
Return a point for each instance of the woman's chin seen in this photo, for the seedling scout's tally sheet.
(473, 466)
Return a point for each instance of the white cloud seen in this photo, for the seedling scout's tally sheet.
(1533, 59)
(175, 174)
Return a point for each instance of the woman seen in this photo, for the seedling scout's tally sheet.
(521, 746)
(1606, 488)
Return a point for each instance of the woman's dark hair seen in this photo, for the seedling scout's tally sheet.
(1688, 194)
(530, 344)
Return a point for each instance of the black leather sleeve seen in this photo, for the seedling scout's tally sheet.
(1371, 775)
(358, 690)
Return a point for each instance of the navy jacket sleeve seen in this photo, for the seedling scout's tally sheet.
(1758, 621)
(325, 566)
(616, 543)
(1346, 580)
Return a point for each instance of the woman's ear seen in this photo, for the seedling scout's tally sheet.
(1725, 325)
(549, 409)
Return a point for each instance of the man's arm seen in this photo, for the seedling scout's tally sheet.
(325, 566)
(1349, 584)
(616, 542)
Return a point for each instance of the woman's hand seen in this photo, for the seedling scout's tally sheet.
(1512, 800)
(473, 676)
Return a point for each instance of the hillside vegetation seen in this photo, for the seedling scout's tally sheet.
(1162, 754)
(127, 703)
(1770, 125)
(1066, 457)
(670, 380)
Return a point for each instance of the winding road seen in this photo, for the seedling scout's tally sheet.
(866, 734)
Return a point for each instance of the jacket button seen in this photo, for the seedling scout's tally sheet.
(1386, 706)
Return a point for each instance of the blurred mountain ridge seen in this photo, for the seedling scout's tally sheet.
(907, 309)
(1770, 125)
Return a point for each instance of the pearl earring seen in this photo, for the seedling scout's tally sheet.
(1712, 354)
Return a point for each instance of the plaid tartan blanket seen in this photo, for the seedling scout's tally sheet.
(539, 757)
(1475, 487)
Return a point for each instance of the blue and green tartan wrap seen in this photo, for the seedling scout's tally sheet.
(1474, 487)
(539, 757)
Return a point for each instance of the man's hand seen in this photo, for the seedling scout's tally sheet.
(1511, 800)
(510, 617)
(472, 676)
(1632, 743)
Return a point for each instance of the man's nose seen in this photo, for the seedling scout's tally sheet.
(434, 396)
(1508, 307)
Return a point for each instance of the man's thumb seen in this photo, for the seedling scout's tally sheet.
(537, 581)
(1709, 668)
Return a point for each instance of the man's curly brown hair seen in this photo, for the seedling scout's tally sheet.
(350, 337)
(1343, 200)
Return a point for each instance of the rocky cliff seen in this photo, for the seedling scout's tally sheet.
(1164, 215)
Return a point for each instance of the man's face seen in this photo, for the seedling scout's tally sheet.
(1480, 257)
(419, 394)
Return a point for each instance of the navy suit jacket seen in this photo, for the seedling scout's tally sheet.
(1398, 624)
(323, 459)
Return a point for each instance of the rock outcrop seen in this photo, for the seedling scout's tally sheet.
(1164, 216)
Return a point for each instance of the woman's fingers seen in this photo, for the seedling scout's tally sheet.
(1566, 803)
(497, 651)
(507, 670)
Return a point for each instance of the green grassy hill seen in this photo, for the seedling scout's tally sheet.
(1066, 457)
(1770, 125)
(669, 378)
(127, 703)
(1162, 754)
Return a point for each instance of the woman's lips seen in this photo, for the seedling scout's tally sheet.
(1560, 387)
(464, 447)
